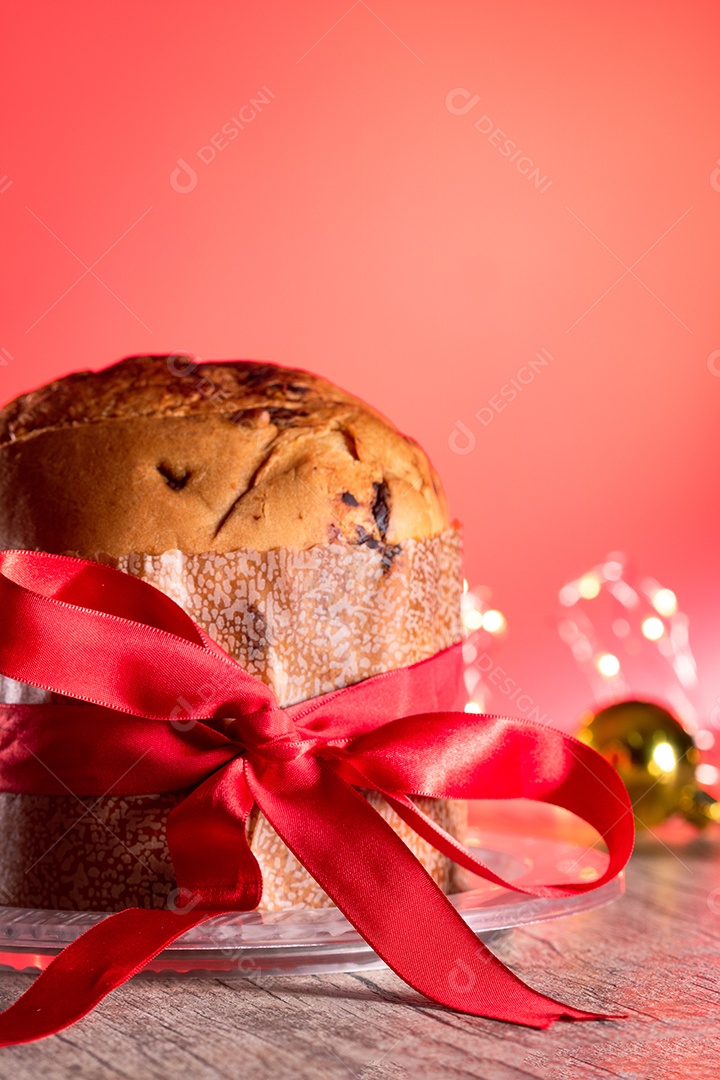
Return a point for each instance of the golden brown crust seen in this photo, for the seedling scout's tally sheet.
(156, 453)
(167, 386)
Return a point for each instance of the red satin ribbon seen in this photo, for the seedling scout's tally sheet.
(168, 709)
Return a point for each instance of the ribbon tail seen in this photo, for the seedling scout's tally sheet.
(88, 969)
(382, 889)
(213, 863)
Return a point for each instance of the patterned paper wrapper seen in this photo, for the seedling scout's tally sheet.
(305, 622)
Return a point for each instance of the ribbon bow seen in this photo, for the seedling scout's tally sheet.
(167, 709)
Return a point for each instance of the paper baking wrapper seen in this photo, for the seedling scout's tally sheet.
(305, 622)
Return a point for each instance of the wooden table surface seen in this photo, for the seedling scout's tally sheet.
(654, 953)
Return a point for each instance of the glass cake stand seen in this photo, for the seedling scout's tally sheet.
(308, 941)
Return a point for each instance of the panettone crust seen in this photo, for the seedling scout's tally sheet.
(158, 452)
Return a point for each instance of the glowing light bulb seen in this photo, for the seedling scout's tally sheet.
(472, 707)
(589, 586)
(493, 621)
(665, 602)
(608, 665)
(473, 619)
(652, 628)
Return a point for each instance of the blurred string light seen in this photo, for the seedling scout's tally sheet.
(477, 614)
(628, 635)
(608, 665)
(483, 625)
(652, 628)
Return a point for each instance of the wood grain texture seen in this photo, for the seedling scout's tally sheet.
(655, 954)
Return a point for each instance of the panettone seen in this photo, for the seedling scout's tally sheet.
(305, 533)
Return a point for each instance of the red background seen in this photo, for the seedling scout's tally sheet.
(360, 228)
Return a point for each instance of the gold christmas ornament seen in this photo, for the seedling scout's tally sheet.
(656, 759)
